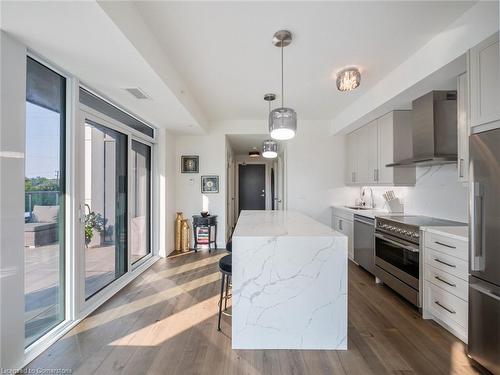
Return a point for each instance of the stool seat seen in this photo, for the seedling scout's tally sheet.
(225, 263)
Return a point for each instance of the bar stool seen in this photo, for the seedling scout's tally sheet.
(225, 267)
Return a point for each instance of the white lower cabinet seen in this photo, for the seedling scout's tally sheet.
(445, 286)
(343, 222)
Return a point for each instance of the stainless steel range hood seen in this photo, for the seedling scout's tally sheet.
(434, 130)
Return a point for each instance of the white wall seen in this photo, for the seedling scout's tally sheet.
(12, 144)
(315, 163)
(167, 185)
(211, 149)
(436, 193)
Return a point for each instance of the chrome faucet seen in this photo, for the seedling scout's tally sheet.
(372, 201)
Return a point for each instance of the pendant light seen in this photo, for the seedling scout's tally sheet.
(269, 146)
(282, 121)
(270, 149)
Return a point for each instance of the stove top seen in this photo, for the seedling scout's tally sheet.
(422, 221)
(407, 227)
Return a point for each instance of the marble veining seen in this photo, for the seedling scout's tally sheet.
(289, 283)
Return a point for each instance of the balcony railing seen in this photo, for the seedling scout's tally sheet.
(40, 198)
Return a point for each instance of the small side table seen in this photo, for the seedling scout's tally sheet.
(200, 222)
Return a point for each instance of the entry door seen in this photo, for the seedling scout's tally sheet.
(252, 187)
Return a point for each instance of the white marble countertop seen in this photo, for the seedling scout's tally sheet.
(278, 224)
(458, 232)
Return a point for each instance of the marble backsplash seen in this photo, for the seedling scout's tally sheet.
(436, 193)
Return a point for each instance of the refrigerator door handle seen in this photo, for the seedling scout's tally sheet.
(476, 244)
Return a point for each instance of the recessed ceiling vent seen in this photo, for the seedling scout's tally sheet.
(138, 93)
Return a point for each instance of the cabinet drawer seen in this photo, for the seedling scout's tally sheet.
(456, 267)
(448, 282)
(446, 306)
(340, 224)
(343, 214)
(447, 245)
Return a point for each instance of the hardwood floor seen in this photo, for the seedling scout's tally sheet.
(165, 323)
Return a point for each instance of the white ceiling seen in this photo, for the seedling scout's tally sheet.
(224, 53)
(81, 39)
(243, 143)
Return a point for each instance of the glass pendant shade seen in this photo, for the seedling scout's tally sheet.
(282, 123)
(270, 149)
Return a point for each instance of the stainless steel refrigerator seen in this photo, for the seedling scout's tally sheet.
(484, 247)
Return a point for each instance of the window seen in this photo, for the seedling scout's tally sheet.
(44, 200)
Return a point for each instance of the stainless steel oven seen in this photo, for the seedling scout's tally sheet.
(397, 258)
(397, 264)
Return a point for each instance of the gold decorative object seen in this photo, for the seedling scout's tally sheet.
(178, 230)
(186, 230)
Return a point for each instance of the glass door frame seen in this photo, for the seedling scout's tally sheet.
(134, 265)
(83, 306)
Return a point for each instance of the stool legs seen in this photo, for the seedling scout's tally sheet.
(227, 293)
(220, 300)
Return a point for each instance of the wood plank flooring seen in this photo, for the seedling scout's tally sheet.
(165, 323)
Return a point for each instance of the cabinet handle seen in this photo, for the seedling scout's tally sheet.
(461, 168)
(444, 281)
(353, 177)
(445, 245)
(446, 264)
(374, 175)
(340, 225)
(444, 307)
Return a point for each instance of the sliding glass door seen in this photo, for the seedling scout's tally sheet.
(44, 192)
(105, 206)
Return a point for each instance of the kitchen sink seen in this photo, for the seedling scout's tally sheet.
(358, 208)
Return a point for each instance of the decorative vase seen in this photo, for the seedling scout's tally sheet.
(178, 230)
(185, 235)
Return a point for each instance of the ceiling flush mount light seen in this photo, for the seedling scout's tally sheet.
(254, 153)
(282, 121)
(348, 79)
(270, 149)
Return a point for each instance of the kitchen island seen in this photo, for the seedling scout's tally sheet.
(289, 283)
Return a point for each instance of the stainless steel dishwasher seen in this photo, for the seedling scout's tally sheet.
(364, 242)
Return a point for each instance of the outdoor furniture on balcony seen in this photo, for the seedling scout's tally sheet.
(41, 228)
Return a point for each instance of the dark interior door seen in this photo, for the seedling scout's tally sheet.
(252, 187)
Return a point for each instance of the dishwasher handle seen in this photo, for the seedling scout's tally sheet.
(364, 220)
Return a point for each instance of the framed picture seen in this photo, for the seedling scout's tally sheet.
(209, 184)
(190, 164)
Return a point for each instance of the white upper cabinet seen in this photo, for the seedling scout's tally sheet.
(380, 142)
(484, 82)
(351, 158)
(368, 153)
(463, 128)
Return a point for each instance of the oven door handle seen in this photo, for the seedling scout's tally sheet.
(406, 247)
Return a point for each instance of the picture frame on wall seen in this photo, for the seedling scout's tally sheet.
(209, 184)
(190, 164)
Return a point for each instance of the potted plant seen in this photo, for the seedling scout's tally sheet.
(94, 222)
